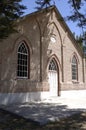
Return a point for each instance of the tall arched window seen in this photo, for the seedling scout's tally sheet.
(74, 68)
(52, 65)
(22, 64)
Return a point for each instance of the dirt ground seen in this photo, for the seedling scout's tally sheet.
(9, 121)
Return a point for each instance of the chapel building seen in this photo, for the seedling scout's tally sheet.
(41, 60)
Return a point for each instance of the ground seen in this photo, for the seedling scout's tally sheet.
(10, 121)
(61, 113)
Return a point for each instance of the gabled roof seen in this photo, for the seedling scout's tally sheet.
(62, 22)
(66, 28)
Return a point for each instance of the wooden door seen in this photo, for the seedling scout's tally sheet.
(53, 78)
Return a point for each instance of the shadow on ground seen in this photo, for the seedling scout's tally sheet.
(41, 116)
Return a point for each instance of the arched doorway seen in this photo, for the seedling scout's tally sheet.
(53, 78)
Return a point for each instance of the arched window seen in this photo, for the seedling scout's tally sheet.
(52, 65)
(22, 63)
(74, 68)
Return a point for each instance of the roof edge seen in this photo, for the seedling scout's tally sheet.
(68, 30)
(65, 26)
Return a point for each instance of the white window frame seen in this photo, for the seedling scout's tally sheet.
(74, 69)
(24, 77)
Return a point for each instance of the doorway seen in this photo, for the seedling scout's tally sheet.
(53, 78)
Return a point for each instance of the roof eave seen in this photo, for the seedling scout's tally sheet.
(68, 30)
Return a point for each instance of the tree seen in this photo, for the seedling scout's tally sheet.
(79, 40)
(77, 15)
(10, 11)
(42, 3)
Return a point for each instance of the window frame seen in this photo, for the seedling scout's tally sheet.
(28, 62)
(74, 69)
(52, 66)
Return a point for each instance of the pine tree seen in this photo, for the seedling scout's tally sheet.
(10, 11)
(42, 3)
(82, 42)
(77, 13)
(79, 40)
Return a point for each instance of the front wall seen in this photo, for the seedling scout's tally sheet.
(65, 43)
(30, 31)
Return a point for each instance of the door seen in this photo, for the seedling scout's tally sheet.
(53, 78)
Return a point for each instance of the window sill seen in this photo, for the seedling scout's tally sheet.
(22, 78)
(75, 82)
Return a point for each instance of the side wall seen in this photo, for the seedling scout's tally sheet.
(30, 30)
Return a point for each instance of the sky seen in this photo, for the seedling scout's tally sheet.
(62, 6)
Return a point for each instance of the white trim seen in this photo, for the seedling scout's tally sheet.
(23, 59)
(22, 77)
(22, 42)
(12, 98)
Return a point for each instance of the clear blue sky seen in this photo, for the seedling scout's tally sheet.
(63, 8)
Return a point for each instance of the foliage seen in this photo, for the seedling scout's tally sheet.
(84, 43)
(81, 41)
(10, 10)
(42, 3)
(78, 14)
